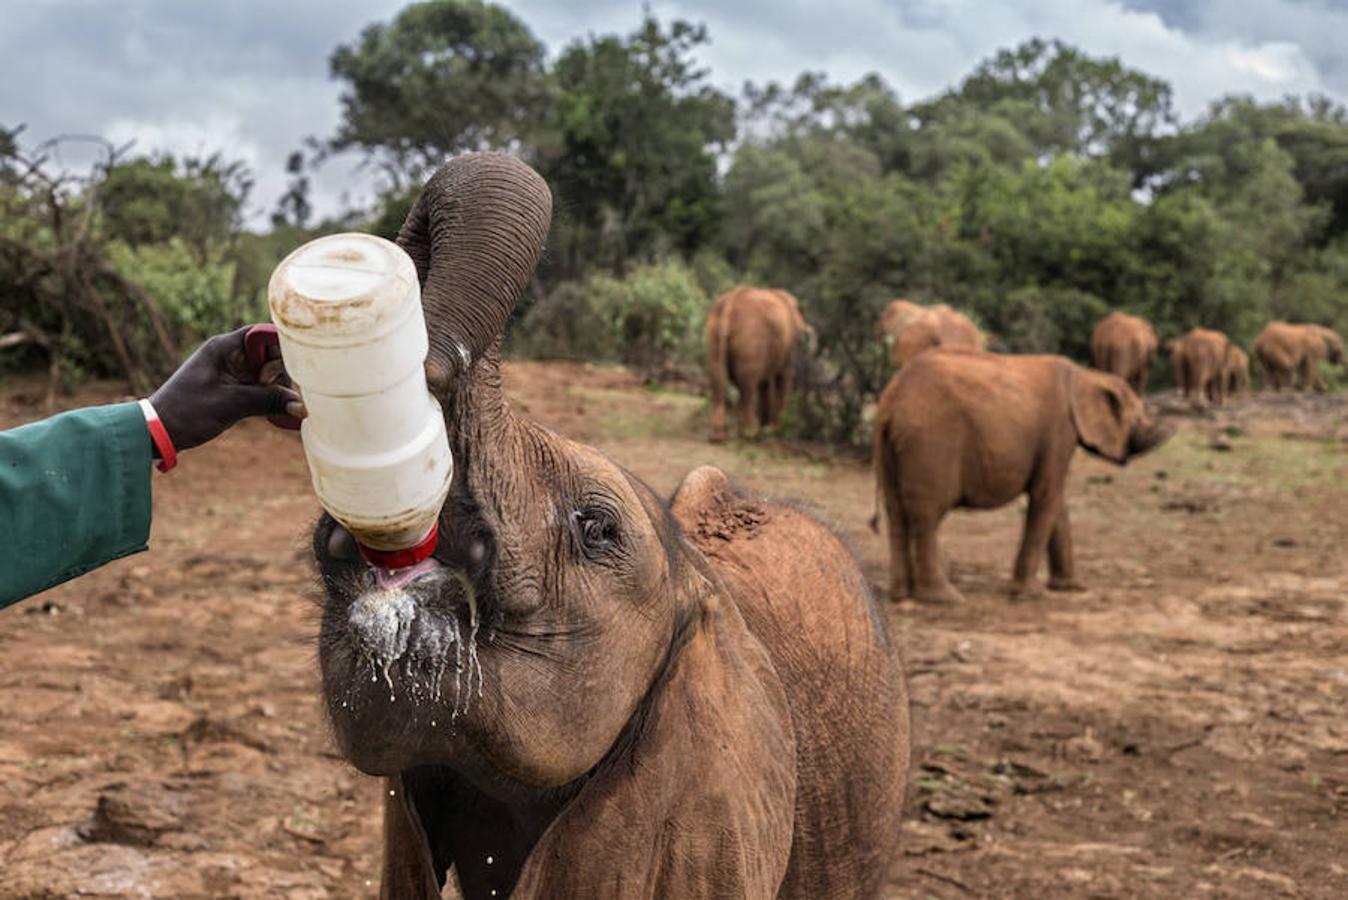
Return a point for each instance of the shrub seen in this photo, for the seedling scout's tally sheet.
(198, 298)
(650, 320)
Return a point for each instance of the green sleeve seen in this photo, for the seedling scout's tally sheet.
(74, 494)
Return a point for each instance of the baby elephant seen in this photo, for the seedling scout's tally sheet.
(976, 430)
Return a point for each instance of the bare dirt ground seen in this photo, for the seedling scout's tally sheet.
(1178, 730)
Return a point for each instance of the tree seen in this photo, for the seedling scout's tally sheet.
(59, 289)
(153, 199)
(630, 146)
(443, 77)
(293, 208)
(1064, 101)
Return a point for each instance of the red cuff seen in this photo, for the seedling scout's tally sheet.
(168, 454)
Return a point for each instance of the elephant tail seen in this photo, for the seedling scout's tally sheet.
(718, 341)
(881, 462)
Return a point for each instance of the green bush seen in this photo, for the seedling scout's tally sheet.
(1035, 319)
(650, 320)
(195, 297)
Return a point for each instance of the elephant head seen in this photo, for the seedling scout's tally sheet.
(897, 315)
(560, 588)
(1109, 417)
(804, 330)
(1333, 344)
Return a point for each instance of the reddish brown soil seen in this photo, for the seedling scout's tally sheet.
(1178, 730)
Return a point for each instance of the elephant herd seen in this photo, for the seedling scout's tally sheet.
(959, 427)
(1209, 366)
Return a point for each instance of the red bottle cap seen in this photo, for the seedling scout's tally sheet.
(402, 559)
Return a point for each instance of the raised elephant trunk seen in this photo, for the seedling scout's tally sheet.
(476, 234)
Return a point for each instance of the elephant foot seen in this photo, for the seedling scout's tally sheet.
(1066, 584)
(900, 591)
(1024, 591)
(945, 595)
(718, 438)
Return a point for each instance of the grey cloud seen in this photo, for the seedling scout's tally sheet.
(259, 68)
(1318, 27)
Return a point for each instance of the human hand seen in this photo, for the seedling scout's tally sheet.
(215, 388)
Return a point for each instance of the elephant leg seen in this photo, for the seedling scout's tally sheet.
(718, 389)
(1040, 519)
(1317, 380)
(781, 387)
(930, 583)
(900, 546)
(1309, 376)
(748, 396)
(1061, 564)
(766, 401)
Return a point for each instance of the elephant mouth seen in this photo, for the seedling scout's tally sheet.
(400, 628)
(399, 657)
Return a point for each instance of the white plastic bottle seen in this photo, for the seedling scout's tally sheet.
(347, 308)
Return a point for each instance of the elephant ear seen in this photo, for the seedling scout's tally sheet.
(1099, 409)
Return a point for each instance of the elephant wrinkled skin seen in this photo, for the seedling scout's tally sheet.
(591, 693)
(1199, 361)
(976, 430)
(752, 336)
(911, 329)
(1287, 352)
(1126, 346)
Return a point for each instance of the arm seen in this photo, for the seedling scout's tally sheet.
(74, 494)
(75, 488)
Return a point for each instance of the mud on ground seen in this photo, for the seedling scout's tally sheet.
(1178, 730)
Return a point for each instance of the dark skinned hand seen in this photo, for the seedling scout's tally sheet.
(215, 389)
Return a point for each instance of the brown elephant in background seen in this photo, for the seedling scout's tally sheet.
(1126, 346)
(956, 429)
(1199, 361)
(589, 691)
(1285, 351)
(1235, 370)
(911, 329)
(751, 337)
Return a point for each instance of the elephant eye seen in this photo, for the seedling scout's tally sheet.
(597, 530)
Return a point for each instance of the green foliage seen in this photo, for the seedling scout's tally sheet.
(119, 271)
(628, 147)
(151, 200)
(1064, 101)
(651, 320)
(443, 77)
(1035, 319)
(198, 299)
(1045, 188)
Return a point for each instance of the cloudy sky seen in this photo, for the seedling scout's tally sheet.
(249, 77)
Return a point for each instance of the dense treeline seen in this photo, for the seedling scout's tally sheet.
(1044, 189)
